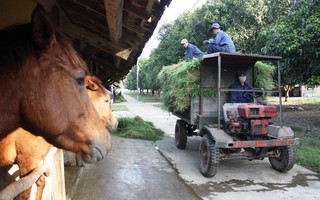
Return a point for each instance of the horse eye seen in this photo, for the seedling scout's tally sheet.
(80, 81)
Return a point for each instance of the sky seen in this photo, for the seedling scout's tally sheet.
(175, 8)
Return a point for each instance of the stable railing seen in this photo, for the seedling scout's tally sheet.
(53, 167)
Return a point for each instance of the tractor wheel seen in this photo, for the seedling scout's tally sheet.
(181, 134)
(209, 156)
(284, 160)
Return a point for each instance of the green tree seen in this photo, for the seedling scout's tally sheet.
(273, 27)
(295, 37)
(131, 79)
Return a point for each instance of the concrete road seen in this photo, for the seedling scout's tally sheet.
(137, 169)
(240, 179)
(134, 170)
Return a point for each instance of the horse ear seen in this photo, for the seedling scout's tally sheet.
(42, 28)
(91, 85)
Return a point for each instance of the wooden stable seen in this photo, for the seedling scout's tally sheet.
(109, 34)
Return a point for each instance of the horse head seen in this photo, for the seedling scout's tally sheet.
(43, 90)
(101, 99)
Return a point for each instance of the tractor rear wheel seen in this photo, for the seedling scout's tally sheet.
(209, 156)
(284, 160)
(180, 135)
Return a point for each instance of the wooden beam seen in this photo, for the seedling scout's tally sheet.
(88, 51)
(91, 38)
(108, 71)
(134, 28)
(138, 12)
(114, 14)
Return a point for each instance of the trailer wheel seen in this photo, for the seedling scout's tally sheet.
(209, 156)
(181, 134)
(285, 159)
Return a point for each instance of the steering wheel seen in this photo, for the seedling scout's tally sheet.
(252, 95)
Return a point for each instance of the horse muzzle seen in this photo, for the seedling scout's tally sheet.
(97, 151)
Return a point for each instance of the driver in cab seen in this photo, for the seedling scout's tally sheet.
(241, 96)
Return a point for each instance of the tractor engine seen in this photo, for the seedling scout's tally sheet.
(253, 120)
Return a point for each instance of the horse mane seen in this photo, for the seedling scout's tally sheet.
(16, 44)
(74, 57)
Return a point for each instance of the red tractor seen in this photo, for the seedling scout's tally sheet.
(235, 130)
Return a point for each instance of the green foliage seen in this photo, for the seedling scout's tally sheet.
(263, 76)
(138, 128)
(313, 81)
(289, 29)
(180, 82)
(295, 37)
(131, 80)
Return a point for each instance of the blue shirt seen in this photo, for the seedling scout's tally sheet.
(223, 39)
(239, 96)
(192, 51)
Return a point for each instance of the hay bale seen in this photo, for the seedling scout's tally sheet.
(180, 82)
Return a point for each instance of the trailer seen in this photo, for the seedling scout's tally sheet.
(235, 130)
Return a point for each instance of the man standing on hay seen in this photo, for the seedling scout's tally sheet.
(192, 50)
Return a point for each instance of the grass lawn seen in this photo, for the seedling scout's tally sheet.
(119, 107)
(146, 98)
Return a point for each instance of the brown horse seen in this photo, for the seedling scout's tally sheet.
(101, 99)
(42, 90)
(27, 150)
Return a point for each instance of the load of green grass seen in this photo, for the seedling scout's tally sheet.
(180, 82)
(137, 128)
(263, 74)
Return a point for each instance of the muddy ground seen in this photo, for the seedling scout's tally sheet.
(302, 116)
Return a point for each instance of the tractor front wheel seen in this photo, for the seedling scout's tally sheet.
(284, 159)
(209, 156)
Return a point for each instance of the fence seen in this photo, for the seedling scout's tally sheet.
(55, 181)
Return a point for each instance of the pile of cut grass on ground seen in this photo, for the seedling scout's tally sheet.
(119, 99)
(137, 128)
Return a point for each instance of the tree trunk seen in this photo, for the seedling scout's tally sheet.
(287, 89)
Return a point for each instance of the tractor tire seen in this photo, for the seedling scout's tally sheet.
(286, 159)
(180, 135)
(209, 156)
